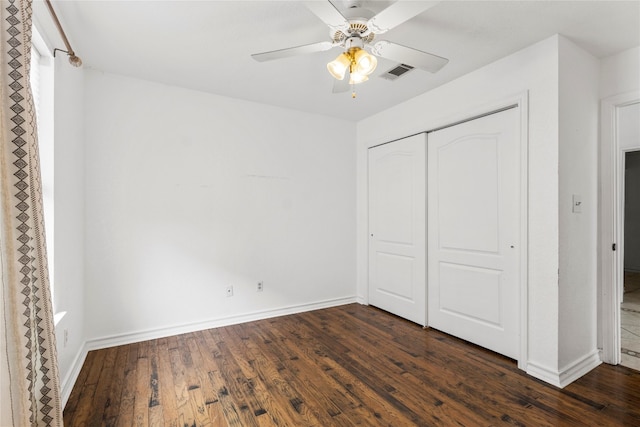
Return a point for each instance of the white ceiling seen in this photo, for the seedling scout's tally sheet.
(206, 45)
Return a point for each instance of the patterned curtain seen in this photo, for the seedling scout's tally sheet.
(29, 362)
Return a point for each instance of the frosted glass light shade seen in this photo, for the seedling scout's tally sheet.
(355, 78)
(339, 66)
(365, 63)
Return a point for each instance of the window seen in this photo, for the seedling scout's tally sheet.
(41, 79)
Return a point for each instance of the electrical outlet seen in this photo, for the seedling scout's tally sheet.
(229, 291)
(66, 337)
(260, 286)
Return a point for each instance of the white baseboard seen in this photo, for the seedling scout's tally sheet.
(362, 300)
(543, 373)
(565, 376)
(69, 381)
(129, 338)
(580, 367)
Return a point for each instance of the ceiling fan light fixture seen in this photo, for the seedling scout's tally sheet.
(365, 62)
(339, 66)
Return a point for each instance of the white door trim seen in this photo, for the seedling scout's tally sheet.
(611, 223)
(523, 105)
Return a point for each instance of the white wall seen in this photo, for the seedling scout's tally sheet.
(534, 69)
(578, 171)
(619, 73)
(188, 193)
(69, 216)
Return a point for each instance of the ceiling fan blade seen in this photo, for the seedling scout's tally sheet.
(327, 12)
(407, 55)
(292, 51)
(340, 86)
(396, 14)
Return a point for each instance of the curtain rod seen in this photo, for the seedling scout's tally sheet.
(73, 59)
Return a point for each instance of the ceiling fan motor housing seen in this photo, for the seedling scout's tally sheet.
(357, 28)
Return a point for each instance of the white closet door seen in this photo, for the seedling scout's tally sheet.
(473, 228)
(397, 221)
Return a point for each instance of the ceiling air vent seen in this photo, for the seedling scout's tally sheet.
(396, 72)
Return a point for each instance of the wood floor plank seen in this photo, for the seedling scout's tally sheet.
(259, 399)
(74, 396)
(84, 409)
(375, 380)
(236, 384)
(396, 374)
(101, 398)
(279, 381)
(458, 377)
(142, 392)
(307, 400)
(166, 388)
(402, 366)
(202, 364)
(193, 378)
(184, 411)
(341, 366)
(127, 400)
(252, 364)
(321, 401)
(156, 392)
(115, 391)
(356, 398)
(212, 357)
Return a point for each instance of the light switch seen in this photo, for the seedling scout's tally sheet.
(577, 203)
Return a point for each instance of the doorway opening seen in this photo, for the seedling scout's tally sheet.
(620, 135)
(630, 303)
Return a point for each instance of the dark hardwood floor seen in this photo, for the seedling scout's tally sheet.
(343, 366)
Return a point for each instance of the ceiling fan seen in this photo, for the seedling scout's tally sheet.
(355, 32)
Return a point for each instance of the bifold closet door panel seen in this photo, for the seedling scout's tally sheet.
(473, 231)
(397, 221)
